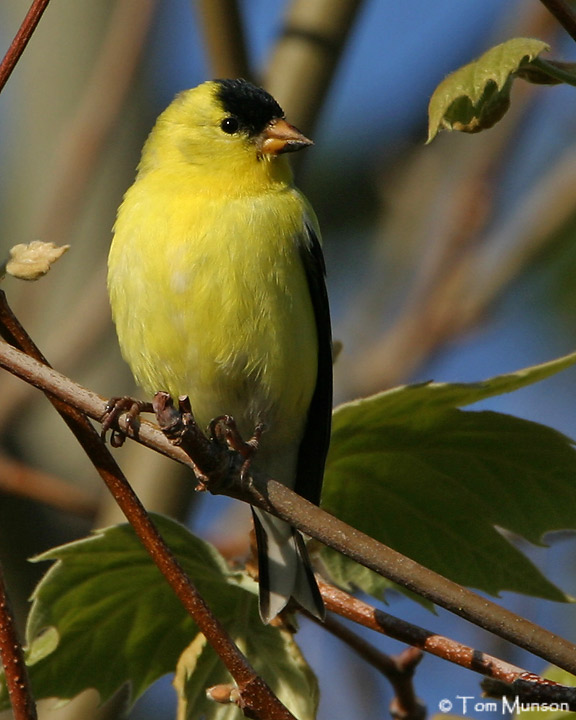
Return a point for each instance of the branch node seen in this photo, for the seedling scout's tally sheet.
(417, 710)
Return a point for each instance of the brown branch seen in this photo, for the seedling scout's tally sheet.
(406, 705)
(12, 657)
(357, 611)
(399, 669)
(505, 678)
(224, 37)
(18, 45)
(396, 567)
(73, 396)
(256, 697)
(281, 501)
(564, 13)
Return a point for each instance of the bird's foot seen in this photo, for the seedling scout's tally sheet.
(117, 406)
(224, 429)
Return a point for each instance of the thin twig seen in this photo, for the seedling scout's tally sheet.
(516, 680)
(12, 657)
(352, 608)
(399, 669)
(255, 694)
(406, 705)
(413, 576)
(564, 13)
(281, 501)
(224, 37)
(18, 45)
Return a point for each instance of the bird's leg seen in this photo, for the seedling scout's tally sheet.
(250, 449)
(117, 406)
(224, 428)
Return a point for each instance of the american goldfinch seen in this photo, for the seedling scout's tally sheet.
(216, 283)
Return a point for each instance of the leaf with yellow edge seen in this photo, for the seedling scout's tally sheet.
(475, 97)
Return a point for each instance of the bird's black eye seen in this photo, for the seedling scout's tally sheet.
(229, 125)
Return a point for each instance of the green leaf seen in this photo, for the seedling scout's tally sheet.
(435, 483)
(103, 615)
(400, 403)
(476, 96)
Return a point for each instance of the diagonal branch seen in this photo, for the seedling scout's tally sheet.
(18, 45)
(511, 680)
(281, 501)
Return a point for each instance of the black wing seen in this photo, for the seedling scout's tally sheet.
(316, 438)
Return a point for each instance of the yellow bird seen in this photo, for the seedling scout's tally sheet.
(216, 282)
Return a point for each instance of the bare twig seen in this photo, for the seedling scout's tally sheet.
(399, 669)
(224, 37)
(508, 678)
(282, 502)
(12, 658)
(406, 706)
(18, 45)
(255, 695)
(340, 602)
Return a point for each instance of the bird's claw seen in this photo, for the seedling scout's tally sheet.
(224, 429)
(117, 406)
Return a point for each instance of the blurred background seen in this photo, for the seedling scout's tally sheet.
(454, 261)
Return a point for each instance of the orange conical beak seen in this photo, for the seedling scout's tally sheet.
(281, 137)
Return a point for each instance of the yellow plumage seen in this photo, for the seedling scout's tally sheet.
(209, 292)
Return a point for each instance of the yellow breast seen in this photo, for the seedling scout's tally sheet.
(210, 300)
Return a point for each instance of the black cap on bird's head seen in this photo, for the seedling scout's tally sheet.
(253, 111)
(252, 106)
